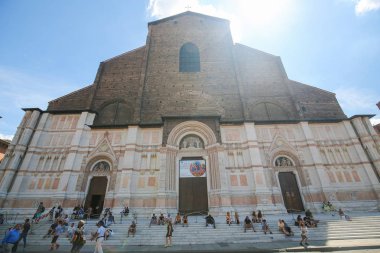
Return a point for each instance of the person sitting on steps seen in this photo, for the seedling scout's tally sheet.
(328, 207)
(210, 220)
(259, 216)
(132, 229)
(287, 228)
(342, 215)
(161, 219)
(284, 228)
(153, 220)
(177, 219)
(228, 218)
(309, 219)
(308, 214)
(185, 221)
(254, 217)
(265, 227)
(125, 211)
(237, 218)
(298, 221)
(248, 224)
(310, 223)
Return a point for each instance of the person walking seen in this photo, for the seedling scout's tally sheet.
(25, 230)
(11, 239)
(169, 234)
(304, 237)
(57, 232)
(99, 237)
(78, 239)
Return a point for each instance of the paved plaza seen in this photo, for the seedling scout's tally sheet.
(363, 245)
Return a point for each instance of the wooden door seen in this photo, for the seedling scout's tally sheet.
(193, 195)
(290, 192)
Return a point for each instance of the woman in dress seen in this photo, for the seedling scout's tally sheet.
(169, 234)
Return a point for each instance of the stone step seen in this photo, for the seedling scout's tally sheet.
(329, 228)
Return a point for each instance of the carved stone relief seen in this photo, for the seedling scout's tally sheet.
(191, 141)
(283, 162)
(101, 167)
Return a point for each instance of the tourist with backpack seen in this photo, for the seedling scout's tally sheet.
(78, 239)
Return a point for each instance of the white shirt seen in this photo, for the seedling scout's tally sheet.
(101, 231)
(304, 230)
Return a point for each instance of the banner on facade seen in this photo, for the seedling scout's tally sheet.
(192, 168)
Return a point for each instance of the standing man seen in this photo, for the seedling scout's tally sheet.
(24, 232)
(57, 232)
(11, 239)
(99, 237)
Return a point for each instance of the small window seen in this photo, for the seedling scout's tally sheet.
(189, 58)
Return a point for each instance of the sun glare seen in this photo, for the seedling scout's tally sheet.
(261, 12)
(258, 17)
(247, 17)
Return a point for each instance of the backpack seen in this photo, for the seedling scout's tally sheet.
(79, 238)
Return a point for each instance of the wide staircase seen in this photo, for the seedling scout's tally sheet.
(362, 226)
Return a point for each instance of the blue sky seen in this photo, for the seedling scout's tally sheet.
(50, 48)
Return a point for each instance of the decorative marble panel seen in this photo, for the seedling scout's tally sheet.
(243, 180)
(234, 180)
(125, 181)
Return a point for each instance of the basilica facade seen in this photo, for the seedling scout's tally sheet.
(192, 122)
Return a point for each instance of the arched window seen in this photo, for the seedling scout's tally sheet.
(115, 112)
(189, 58)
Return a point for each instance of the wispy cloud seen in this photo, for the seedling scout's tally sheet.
(6, 137)
(375, 121)
(364, 6)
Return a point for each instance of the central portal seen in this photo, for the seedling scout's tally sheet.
(96, 194)
(290, 192)
(192, 185)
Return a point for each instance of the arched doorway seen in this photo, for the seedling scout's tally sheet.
(290, 192)
(289, 186)
(193, 196)
(98, 187)
(96, 194)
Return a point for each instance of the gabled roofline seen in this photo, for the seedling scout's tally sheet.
(311, 86)
(122, 54)
(71, 93)
(236, 45)
(362, 115)
(32, 109)
(187, 13)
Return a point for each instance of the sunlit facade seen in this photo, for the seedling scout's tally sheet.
(192, 122)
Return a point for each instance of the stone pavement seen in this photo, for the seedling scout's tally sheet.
(280, 246)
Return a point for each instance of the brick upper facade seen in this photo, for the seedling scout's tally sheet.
(236, 83)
